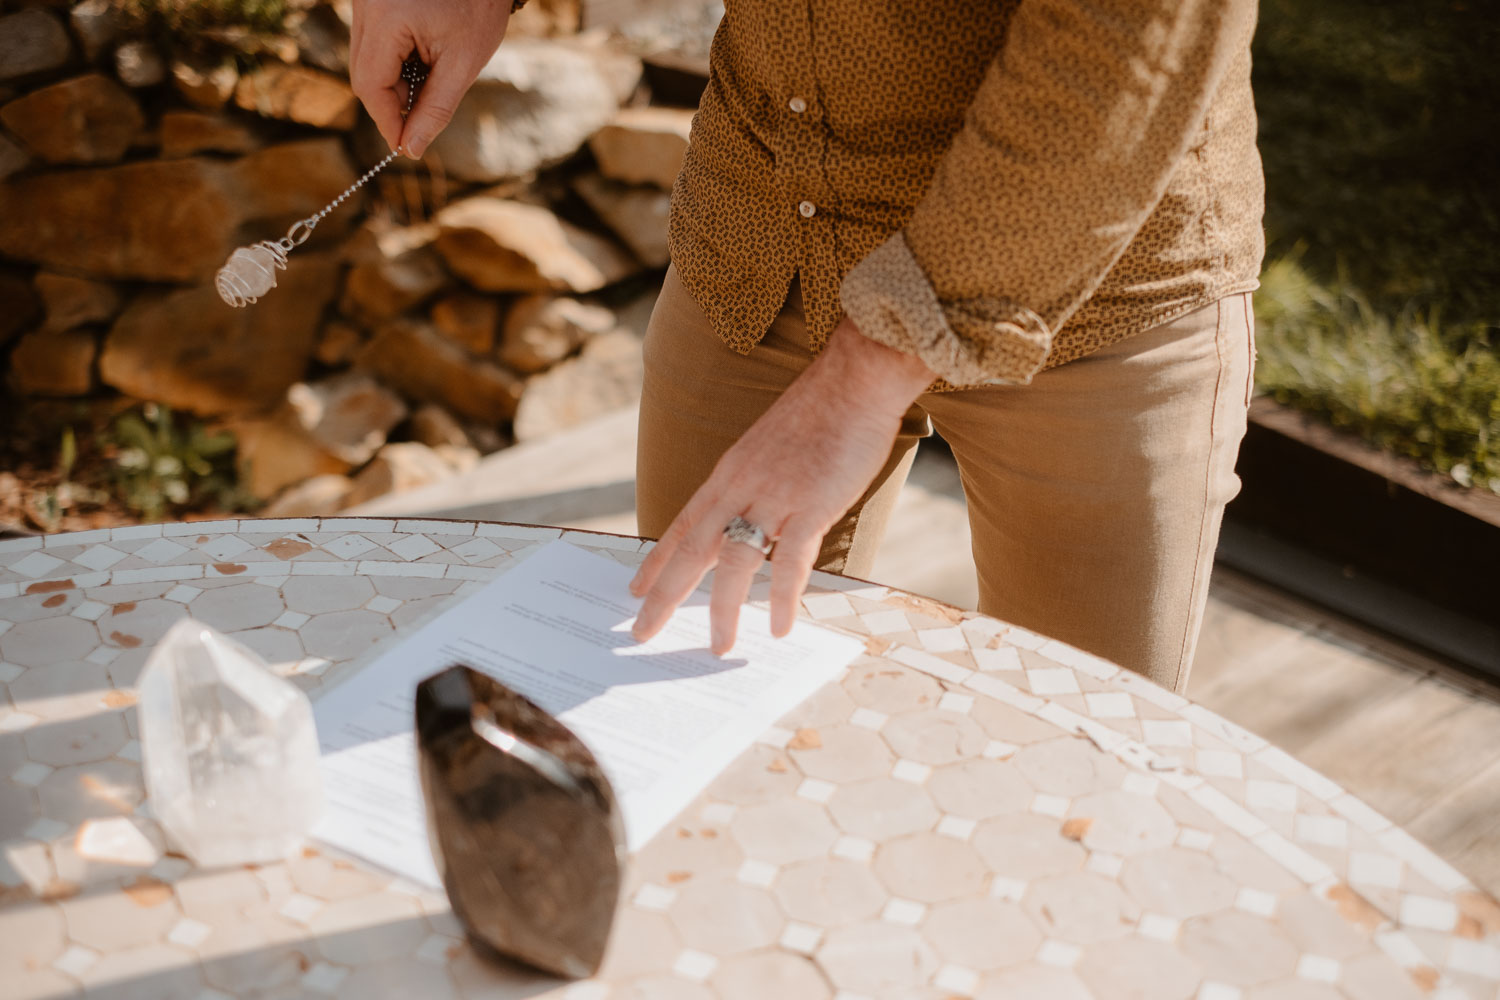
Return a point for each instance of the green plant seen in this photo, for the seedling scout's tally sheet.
(1406, 382)
(160, 464)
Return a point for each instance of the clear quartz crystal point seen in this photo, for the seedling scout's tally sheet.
(229, 749)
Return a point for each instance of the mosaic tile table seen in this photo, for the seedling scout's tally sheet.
(975, 811)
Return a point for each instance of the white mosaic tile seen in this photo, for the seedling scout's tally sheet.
(801, 938)
(1276, 795)
(1428, 913)
(1475, 958)
(1110, 705)
(695, 965)
(885, 622)
(36, 564)
(952, 701)
(9, 672)
(1372, 869)
(1220, 763)
(162, 550)
(910, 770)
(957, 827)
(1006, 658)
(1104, 863)
(300, 909)
(349, 546)
(1217, 991)
(414, 547)
(434, 949)
(816, 790)
(76, 961)
(1158, 927)
(654, 897)
(1050, 805)
(868, 718)
(1052, 681)
(1166, 733)
(826, 606)
(854, 849)
(189, 933)
(1328, 831)
(956, 979)
(1060, 954)
(1358, 813)
(1318, 969)
(30, 774)
(225, 547)
(756, 873)
(89, 611)
(906, 912)
(1256, 901)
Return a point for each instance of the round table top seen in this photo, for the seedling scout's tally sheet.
(974, 810)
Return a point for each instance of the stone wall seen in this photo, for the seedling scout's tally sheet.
(494, 292)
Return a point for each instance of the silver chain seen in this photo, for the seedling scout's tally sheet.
(414, 72)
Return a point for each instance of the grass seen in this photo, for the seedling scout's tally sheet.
(1380, 305)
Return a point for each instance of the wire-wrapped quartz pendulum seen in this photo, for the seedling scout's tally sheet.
(250, 271)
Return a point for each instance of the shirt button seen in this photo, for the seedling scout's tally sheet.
(808, 209)
(797, 104)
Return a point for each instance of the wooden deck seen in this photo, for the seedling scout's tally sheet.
(1414, 739)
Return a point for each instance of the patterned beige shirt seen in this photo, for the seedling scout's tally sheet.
(995, 187)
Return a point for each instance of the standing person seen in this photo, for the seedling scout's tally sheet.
(1033, 224)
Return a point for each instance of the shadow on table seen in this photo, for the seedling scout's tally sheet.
(257, 953)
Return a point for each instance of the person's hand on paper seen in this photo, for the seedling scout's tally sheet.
(455, 38)
(794, 472)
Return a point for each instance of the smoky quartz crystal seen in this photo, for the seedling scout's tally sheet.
(523, 823)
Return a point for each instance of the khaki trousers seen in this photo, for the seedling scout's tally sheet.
(1095, 493)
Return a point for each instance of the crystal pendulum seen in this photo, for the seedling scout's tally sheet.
(250, 271)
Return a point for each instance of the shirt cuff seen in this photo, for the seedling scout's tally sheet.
(966, 342)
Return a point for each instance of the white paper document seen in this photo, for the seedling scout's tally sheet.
(663, 718)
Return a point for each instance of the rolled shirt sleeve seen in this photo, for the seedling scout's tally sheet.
(1067, 147)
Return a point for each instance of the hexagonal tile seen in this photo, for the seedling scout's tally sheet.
(46, 641)
(930, 868)
(934, 737)
(61, 690)
(784, 831)
(1026, 846)
(1238, 948)
(316, 595)
(34, 933)
(724, 918)
(979, 788)
(981, 934)
(640, 943)
(890, 688)
(1008, 723)
(1137, 968)
(1080, 907)
(113, 921)
(368, 928)
(770, 974)
(870, 957)
(277, 646)
(343, 635)
(399, 980)
(845, 753)
(829, 892)
(100, 788)
(1068, 767)
(138, 624)
(1316, 928)
(76, 741)
(1033, 982)
(760, 774)
(882, 809)
(1294, 989)
(683, 851)
(234, 608)
(1124, 823)
(1177, 882)
(830, 705)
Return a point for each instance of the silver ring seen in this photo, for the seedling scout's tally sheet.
(740, 530)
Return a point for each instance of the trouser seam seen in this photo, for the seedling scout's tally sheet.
(1208, 475)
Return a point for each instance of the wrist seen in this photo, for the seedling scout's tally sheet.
(871, 372)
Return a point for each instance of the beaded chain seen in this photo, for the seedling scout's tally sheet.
(251, 271)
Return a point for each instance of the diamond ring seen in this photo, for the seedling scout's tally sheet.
(740, 530)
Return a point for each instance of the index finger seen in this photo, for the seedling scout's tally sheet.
(375, 75)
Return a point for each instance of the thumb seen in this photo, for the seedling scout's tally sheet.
(436, 102)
